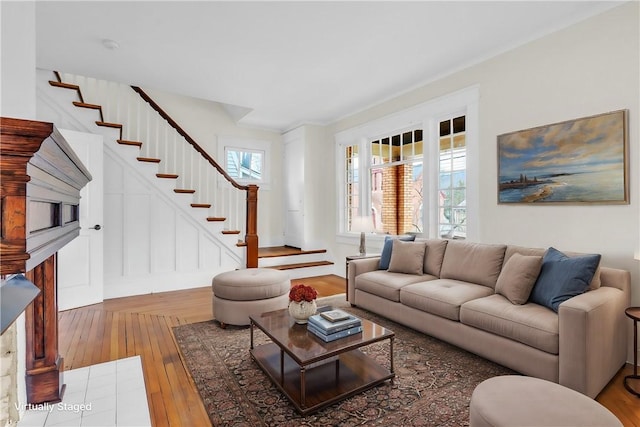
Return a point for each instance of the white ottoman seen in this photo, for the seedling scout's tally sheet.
(513, 400)
(239, 294)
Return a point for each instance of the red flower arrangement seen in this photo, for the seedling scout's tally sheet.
(302, 292)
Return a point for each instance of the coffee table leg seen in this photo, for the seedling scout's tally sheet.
(251, 345)
(281, 367)
(392, 370)
(303, 392)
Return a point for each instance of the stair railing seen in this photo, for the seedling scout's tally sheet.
(164, 139)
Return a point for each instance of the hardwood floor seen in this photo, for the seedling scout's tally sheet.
(141, 325)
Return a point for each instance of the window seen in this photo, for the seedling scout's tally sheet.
(244, 165)
(412, 171)
(246, 160)
(352, 193)
(452, 179)
(396, 183)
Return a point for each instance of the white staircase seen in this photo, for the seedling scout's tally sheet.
(181, 242)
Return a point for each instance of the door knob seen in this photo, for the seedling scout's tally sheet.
(95, 227)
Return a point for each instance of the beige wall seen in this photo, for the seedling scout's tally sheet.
(589, 68)
(205, 121)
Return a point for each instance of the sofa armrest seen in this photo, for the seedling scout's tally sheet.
(593, 339)
(356, 267)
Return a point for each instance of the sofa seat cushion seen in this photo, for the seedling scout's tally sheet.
(442, 297)
(530, 324)
(386, 284)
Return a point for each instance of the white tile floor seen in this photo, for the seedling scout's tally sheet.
(108, 394)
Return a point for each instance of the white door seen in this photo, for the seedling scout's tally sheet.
(80, 265)
(294, 193)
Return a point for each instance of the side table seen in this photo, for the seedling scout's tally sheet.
(351, 258)
(634, 314)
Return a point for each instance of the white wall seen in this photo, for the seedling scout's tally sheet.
(205, 121)
(18, 76)
(589, 68)
(18, 99)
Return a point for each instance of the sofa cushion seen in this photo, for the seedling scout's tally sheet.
(433, 255)
(563, 277)
(407, 257)
(386, 284)
(442, 297)
(512, 249)
(472, 262)
(530, 324)
(385, 256)
(518, 276)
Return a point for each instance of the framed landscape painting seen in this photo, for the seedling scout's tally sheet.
(577, 161)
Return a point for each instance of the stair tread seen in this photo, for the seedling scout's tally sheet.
(278, 251)
(230, 231)
(301, 265)
(200, 205)
(147, 159)
(183, 191)
(109, 125)
(216, 219)
(126, 142)
(167, 175)
(86, 105)
(64, 85)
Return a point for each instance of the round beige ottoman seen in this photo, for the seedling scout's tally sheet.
(514, 400)
(239, 294)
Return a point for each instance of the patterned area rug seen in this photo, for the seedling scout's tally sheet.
(433, 383)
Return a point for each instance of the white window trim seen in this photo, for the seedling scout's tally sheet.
(425, 116)
(250, 145)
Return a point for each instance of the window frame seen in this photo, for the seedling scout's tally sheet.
(247, 145)
(425, 116)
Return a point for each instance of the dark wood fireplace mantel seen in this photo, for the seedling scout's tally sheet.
(40, 182)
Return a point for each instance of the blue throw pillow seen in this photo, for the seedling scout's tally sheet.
(385, 257)
(562, 277)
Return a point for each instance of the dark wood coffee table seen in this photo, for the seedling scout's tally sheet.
(314, 374)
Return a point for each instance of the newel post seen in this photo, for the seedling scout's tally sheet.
(251, 238)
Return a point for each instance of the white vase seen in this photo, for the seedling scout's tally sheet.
(301, 311)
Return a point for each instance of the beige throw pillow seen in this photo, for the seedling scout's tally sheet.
(407, 257)
(518, 276)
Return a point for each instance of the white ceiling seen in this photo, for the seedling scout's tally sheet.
(289, 63)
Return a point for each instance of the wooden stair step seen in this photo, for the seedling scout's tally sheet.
(241, 244)
(109, 125)
(301, 265)
(183, 191)
(67, 86)
(201, 205)
(216, 219)
(134, 143)
(64, 85)
(167, 175)
(278, 251)
(85, 105)
(147, 160)
(91, 107)
(230, 231)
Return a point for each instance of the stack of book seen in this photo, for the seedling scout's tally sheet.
(334, 324)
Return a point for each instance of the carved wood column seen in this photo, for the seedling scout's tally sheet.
(44, 365)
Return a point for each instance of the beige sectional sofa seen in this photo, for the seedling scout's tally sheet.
(454, 298)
